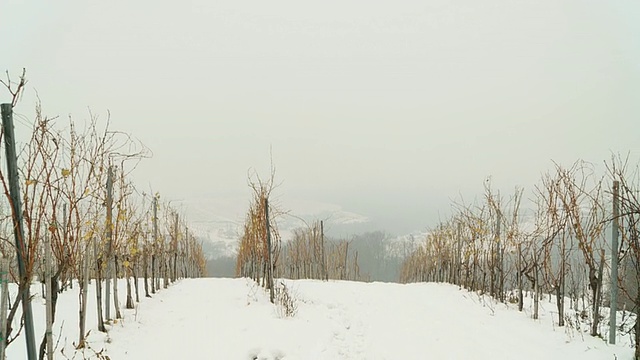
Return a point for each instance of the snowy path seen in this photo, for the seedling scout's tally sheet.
(232, 319)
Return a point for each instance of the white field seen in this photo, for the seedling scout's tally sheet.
(233, 319)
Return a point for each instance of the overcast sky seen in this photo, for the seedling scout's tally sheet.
(388, 109)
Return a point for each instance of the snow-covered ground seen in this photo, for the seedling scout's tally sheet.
(233, 319)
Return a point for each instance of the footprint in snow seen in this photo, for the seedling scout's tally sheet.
(256, 354)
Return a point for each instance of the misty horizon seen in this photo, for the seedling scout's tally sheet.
(390, 111)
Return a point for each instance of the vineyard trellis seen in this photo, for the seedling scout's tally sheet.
(63, 177)
(262, 256)
(562, 248)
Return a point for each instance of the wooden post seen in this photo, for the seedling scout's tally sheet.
(85, 285)
(269, 263)
(536, 286)
(175, 251)
(116, 303)
(98, 287)
(185, 254)
(519, 277)
(598, 299)
(18, 228)
(65, 249)
(325, 274)
(145, 265)
(107, 256)
(154, 246)
(458, 270)
(166, 262)
(499, 256)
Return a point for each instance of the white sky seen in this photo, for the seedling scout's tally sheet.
(386, 108)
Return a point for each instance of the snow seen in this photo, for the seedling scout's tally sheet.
(233, 319)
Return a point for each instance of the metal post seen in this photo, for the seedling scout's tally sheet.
(270, 265)
(107, 287)
(18, 229)
(614, 264)
(4, 303)
(49, 308)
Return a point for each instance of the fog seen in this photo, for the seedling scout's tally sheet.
(387, 109)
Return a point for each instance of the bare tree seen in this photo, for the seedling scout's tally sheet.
(580, 193)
